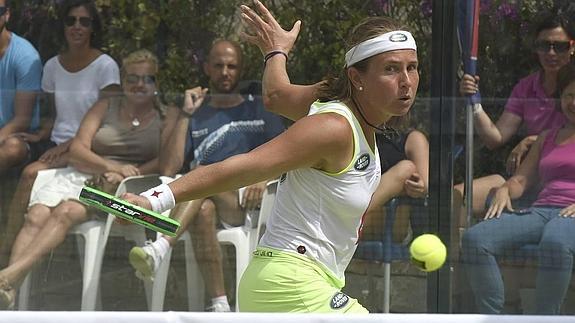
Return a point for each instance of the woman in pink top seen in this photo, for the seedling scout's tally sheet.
(550, 222)
(531, 105)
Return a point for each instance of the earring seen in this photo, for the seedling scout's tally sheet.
(155, 93)
(360, 88)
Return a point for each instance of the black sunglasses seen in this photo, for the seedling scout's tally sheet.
(3, 10)
(135, 79)
(84, 21)
(544, 46)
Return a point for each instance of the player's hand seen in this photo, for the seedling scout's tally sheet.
(469, 85)
(193, 99)
(253, 194)
(136, 200)
(263, 30)
(568, 212)
(518, 154)
(415, 186)
(501, 201)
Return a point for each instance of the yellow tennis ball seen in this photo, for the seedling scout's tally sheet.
(428, 253)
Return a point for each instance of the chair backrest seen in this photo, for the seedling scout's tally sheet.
(266, 207)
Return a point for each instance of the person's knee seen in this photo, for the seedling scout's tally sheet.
(31, 171)
(36, 218)
(14, 148)
(206, 215)
(474, 239)
(68, 214)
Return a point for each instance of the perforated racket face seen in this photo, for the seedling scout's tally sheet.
(128, 211)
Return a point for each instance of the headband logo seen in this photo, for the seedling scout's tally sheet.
(398, 37)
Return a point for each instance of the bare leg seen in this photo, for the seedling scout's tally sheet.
(35, 221)
(207, 249)
(13, 151)
(52, 234)
(18, 207)
(481, 189)
(184, 213)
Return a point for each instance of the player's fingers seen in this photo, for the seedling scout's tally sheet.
(258, 22)
(265, 13)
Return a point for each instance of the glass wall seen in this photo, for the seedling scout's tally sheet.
(432, 143)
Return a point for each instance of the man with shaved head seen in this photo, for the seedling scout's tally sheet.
(215, 123)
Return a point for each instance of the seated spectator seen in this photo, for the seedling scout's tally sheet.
(531, 105)
(118, 137)
(404, 158)
(549, 222)
(73, 81)
(20, 73)
(212, 127)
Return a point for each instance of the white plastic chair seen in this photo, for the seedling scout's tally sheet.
(243, 239)
(88, 248)
(95, 235)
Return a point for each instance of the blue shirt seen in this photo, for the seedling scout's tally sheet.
(20, 70)
(215, 134)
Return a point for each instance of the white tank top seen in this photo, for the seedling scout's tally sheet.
(319, 214)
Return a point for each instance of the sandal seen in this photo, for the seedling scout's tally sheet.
(7, 295)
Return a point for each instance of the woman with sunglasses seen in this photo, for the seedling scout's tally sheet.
(73, 80)
(549, 222)
(530, 106)
(118, 137)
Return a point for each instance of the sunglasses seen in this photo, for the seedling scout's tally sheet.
(85, 22)
(135, 79)
(3, 10)
(560, 47)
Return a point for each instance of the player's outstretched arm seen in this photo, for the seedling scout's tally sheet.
(279, 95)
(323, 141)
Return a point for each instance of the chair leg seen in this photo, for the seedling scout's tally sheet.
(93, 254)
(195, 282)
(242, 260)
(387, 287)
(24, 293)
(159, 284)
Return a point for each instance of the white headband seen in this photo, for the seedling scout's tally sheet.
(392, 40)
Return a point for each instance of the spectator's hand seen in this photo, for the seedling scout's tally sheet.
(263, 30)
(469, 85)
(253, 194)
(568, 211)
(113, 177)
(128, 170)
(28, 137)
(53, 155)
(415, 186)
(501, 201)
(518, 154)
(193, 99)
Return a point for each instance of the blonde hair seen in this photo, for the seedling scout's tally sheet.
(144, 56)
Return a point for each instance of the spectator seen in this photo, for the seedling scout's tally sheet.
(20, 73)
(210, 129)
(73, 80)
(118, 137)
(549, 222)
(531, 104)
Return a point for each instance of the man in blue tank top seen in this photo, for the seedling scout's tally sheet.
(20, 73)
(215, 123)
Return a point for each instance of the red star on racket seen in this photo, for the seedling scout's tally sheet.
(156, 193)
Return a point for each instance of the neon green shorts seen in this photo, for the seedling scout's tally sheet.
(278, 281)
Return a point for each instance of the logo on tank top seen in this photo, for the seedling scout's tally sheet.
(338, 300)
(362, 162)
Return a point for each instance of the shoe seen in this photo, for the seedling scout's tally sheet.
(219, 307)
(7, 295)
(145, 260)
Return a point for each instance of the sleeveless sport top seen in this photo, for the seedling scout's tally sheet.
(319, 214)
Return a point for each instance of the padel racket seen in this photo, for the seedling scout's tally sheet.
(128, 211)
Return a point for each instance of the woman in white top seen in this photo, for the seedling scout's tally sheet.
(327, 162)
(73, 80)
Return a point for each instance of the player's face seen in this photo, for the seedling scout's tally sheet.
(568, 103)
(139, 82)
(223, 68)
(553, 48)
(78, 27)
(389, 84)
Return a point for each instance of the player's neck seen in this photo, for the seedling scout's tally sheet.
(225, 100)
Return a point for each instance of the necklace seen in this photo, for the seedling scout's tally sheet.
(135, 122)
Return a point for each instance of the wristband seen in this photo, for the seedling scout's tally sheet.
(272, 54)
(161, 198)
(477, 108)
